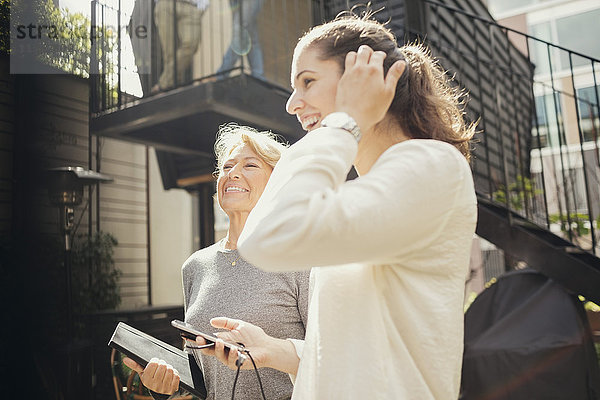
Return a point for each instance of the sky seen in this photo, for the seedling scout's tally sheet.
(130, 81)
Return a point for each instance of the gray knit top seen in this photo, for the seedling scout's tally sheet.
(277, 302)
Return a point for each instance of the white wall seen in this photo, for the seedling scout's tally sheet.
(123, 211)
(170, 237)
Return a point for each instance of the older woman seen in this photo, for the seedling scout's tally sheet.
(390, 248)
(217, 280)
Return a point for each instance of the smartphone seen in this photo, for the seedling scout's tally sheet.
(187, 331)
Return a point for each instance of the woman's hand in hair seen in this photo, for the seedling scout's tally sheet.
(363, 92)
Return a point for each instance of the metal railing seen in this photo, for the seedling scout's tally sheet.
(162, 45)
(538, 151)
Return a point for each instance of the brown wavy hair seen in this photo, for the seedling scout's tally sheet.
(426, 105)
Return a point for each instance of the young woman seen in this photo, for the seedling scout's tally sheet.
(390, 248)
(217, 280)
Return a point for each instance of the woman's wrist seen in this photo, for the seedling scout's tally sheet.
(282, 356)
(343, 121)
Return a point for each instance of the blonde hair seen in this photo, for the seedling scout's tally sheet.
(231, 136)
(426, 104)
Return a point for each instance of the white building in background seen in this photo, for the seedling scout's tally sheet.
(574, 25)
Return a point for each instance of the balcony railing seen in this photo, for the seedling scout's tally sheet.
(158, 46)
(538, 106)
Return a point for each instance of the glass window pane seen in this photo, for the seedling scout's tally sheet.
(540, 110)
(579, 33)
(549, 120)
(539, 50)
(588, 112)
(587, 102)
(553, 109)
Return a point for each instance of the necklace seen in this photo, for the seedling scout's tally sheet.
(234, 262)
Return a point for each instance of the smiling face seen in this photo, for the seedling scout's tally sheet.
(314, 82)
(242, 180)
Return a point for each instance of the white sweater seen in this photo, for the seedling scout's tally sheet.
(392, 249)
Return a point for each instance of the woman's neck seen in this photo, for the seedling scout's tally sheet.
(236, 225)
(374, 143)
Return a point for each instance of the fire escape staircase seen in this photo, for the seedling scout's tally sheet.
(523, 185)
(559, 259)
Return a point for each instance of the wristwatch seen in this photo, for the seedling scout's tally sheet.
(343, 121)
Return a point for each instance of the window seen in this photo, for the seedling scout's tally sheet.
(580, 33)
(587, 104)
(574, 26)
(577, 32)
(539, 50)
(548, 119)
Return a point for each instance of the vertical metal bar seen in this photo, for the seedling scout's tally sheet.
(174, 26)
(437, 26)
(572, 171)
(552, 159)
(594, 124)
(458, 63)
(119, 55)
(112, 61)
(537, 128)
(148, 236)
(597, 113)
(562, 163)
(98, 162)
(286, 45)
(93, 93)
(499, 123)
(154, 71)
(321, 11)
(211, 43)
(275, 53)
(222, 36)
(296, 16)
(519, 154)
(585, 174)
(444, 47)
(482, 104)
(241, 38)
(103, 57)
(93, 59)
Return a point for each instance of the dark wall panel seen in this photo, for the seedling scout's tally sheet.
(7, 138)
(498, 79)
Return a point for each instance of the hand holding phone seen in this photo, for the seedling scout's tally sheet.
(187, 331)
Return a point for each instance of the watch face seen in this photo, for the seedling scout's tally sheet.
(343, 121)
(338, 120)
